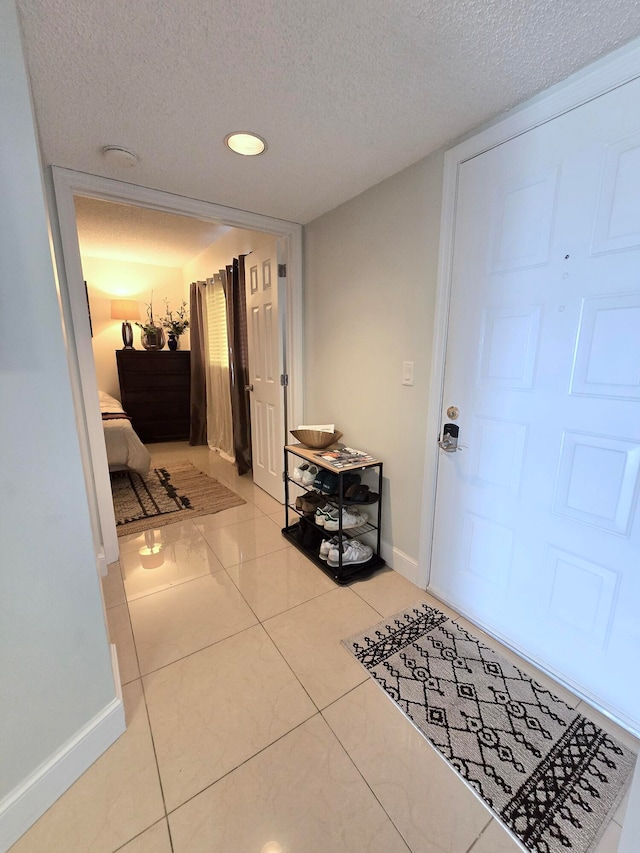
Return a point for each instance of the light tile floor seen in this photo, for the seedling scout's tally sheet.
(250, 728)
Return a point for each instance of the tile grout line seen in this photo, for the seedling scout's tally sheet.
(361, 775)
(289, 667)
(174, 585)
(153, 743)
(480, 834)
(196, 651)
(344, 695)
(261, 622)
(382, 616)
(140, 679)
(275, 646)
(245, 761)
(232, 565)
(133, 837)
(189, 580)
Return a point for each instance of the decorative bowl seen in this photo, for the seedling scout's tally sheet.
(316, 439)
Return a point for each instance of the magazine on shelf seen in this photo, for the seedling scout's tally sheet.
(344, 457)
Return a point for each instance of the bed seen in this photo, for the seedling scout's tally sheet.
(124, 448)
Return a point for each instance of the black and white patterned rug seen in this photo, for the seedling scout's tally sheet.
(136, 497)
(549, 774)
(177, 492)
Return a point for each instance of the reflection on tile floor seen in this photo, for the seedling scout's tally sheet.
(250, 728)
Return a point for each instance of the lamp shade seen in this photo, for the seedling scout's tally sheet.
(125, 309)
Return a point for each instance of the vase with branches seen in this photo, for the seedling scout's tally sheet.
(151, 335)
(176, 323)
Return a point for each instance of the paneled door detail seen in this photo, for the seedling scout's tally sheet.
(582, 597)
(523, 221)
(508, 347)
(536, 534)
(497, 454)
(617, 224)
(598, 480)
(607, 359)
(265, 367)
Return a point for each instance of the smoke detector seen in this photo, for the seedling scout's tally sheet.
(116, 155)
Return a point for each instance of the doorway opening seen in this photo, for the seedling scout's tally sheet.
(69, 185)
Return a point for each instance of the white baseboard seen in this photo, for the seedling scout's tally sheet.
(103, 570)
(28, 801)
(404, 565)
(115, 666)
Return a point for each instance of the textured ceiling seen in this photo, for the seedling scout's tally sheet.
(127, 233)
(346, 93)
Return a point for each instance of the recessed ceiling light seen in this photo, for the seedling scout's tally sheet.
(243, 142)
(116, 155)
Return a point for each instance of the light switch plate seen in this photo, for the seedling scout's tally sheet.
(407, 373)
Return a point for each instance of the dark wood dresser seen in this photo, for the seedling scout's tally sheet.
(155, 390)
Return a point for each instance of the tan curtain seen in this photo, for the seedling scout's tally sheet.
(219, 422)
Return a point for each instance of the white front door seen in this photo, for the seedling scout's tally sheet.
(265, 366)
(536, 530)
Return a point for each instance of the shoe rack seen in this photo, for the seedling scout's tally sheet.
(304, 534)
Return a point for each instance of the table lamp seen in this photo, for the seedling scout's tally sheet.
(125, 310)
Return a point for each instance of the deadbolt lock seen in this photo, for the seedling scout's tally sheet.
(453, 412)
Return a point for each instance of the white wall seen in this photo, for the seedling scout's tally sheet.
(109, 279)
(370, 281)
(55, 664)
(237, 241)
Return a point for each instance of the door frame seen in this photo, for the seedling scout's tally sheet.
(608, 73)
(66, 184)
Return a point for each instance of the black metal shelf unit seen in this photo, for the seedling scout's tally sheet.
(306, 535)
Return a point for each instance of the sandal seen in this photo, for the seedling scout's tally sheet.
(360, 494)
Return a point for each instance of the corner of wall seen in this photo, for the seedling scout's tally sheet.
(400, 562)
(26, 803)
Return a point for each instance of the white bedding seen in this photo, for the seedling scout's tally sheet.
(124, 448)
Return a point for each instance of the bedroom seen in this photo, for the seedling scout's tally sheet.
(146, 257)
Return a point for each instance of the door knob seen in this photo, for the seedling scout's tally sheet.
(248, 387)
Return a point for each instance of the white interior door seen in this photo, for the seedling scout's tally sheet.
(536, 530)
(265, 366)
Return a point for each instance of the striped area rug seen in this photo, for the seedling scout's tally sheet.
(165, 495)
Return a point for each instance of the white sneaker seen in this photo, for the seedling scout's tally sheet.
(299, 472)
(326, 546)
(309, 475)
(324, 514)
(350, 518)
(354, 552)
